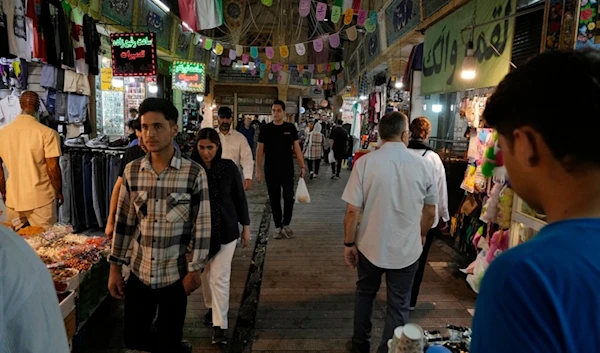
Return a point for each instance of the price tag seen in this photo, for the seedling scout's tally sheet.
(16, 222)
(61, 118)
(81, 129)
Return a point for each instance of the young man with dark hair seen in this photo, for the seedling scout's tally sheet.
(164, 210)
(397, 195)
(339, 143)
(279, 141)
(542, 296)
(133, 113)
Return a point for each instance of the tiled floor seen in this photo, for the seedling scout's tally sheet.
(307, 292)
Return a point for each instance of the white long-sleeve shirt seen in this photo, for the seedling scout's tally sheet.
(441, 211)
(236, 147)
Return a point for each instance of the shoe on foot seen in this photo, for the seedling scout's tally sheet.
(333, 177)
(411, 308)
(278, 233)
(207, 319)
(219, 336)
(287, 232)
(312, 175)
(316, 176)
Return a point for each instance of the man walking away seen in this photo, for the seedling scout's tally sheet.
(164, 210)
(279, 141)
(543, 296)
(235, 146)
(30, 151)
(339, 144)
(248, 131)
(397, 194)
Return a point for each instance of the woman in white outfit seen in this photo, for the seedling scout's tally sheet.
(229, 208)
(420, 130)
(313, 150)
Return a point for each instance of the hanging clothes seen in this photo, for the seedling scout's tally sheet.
(68, 57)
(209, 14)
(81, 67)
(17, 28)
(4, 47)
(38, 41)
(187, 10)
(91, 38)
(52, 20)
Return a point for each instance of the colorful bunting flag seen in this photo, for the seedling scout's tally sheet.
(239, 50)
(232, 54)
(348, 15)
(245, 58)
(334, 40)
(208, 42)
(321, 11)
(219, 49)
(362, 16)
(304, 7)
(336, 13)
(270, 52)
(284, 51)
(254, 52)
(351, 33)
(300, 49)
(318, 45)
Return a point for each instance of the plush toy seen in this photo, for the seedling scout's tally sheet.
(505, 208)
(489, 157)
(489, 211)
(498, 244)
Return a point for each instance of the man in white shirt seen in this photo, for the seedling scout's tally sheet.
(30, 319)
(397, 194)
(235, 146)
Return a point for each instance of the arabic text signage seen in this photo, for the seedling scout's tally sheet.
(133, 54)
(446, 46)
(189, 76)
(401, 17)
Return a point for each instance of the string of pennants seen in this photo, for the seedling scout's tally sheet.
(259, 67)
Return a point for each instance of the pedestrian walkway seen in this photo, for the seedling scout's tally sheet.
(304, 301)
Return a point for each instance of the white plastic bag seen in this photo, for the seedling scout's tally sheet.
(331, 157)
(302, 195)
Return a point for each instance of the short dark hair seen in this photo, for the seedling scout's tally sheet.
(279, 102)
(135, 124)
(392, 125)
(420, 128)
(522, 99)
(225, 112)
(160, 105)
(131, 110)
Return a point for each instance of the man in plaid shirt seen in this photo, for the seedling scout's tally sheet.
(164, 211)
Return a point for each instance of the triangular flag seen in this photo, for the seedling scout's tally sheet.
(270, 52)
(362, 16)
(254, 52)
(257, 62)
(284, 51)
(300, 49)
(373, 15)
(251, 65)
(267, 2)
(334, 40)
(245, 58)
(313, 81)
(219, 49)
(318, 45)
(232, 54)
(304, 81)
(370, 25)
(333, 79)
(326, 79)
(320, 68)
(348, 15)
(304, 7)
(336, 13)
(301, 69)
(239, 50)
(227, 61)
(253, 72)
(343, 64)
(275, 67)
(311, 67)
(270, 75)
(263, 66)
(224, 60)
(351, 33)
(208, 42)
(261, 74)
(269, 64)
(321, 11)
(286, 67)
(337, 65)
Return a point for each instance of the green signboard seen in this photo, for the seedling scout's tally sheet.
(189, 76)
(446, 42)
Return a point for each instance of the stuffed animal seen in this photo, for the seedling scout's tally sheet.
(489, 211)
(498, 244)
(505, 208)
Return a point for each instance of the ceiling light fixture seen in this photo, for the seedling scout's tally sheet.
(152, 88)
(469, 65)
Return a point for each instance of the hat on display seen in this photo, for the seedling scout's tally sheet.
(225, 112)
(30, 101)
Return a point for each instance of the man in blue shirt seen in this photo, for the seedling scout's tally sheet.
(248, 131)
(544, 295)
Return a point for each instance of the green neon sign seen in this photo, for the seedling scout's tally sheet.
(189, 76)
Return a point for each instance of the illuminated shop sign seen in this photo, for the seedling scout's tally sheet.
(133, 54)
(189, 76)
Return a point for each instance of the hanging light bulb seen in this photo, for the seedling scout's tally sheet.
(469, 64)
(363, 97)
(200, 97)
(152, 88)
(398, 84)
(117, 82)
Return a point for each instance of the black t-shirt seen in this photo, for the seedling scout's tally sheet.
(340, 142)
(132, 153)
(279, 146)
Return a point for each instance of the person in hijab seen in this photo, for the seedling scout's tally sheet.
(229, 208)
(313, 151)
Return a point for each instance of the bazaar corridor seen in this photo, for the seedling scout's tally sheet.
(297, 295)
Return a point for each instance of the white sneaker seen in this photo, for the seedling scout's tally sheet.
(99, 142)
(278, 233)
(411, 308)
(287, 232)
(75, 142)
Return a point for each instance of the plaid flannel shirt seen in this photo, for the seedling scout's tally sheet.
(166, 217)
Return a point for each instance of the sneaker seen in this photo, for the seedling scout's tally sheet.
(207, 319)
(312, 175)
(99, 142)
(219, 336)
(316, 176)
(332, 177)
(186, 347)
(278, 233)
(337, 176)
(75, 142)
(288, 232)
(120, 144)
(411, 308)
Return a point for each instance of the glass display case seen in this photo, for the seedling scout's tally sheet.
(526, 222)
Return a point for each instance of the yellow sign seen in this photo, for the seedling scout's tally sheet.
(106, 78)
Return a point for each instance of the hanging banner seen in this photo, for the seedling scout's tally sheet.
(253, 52)
(336, 13)
(263, 67)
(284, 51)
(401, 17)
(232, 54)
(245, 58)
(219, 49)
(321, 11)
(267, 2)
(311, 67)
(300, 49)
(352, 33)
(445, 49)
(362, 17)
(300, 69)
(349, 14)
(286, 67)
(334, 40)
(304, 7)
(269, 65)
(208, 42)
(320, 68)
(318, 45)
(189, 76)
(270, 52)
(133, 54)
(239, 50)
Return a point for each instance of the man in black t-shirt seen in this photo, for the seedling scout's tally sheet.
(339, 143)
(279, 142)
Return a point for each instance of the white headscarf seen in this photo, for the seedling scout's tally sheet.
(316, 130)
